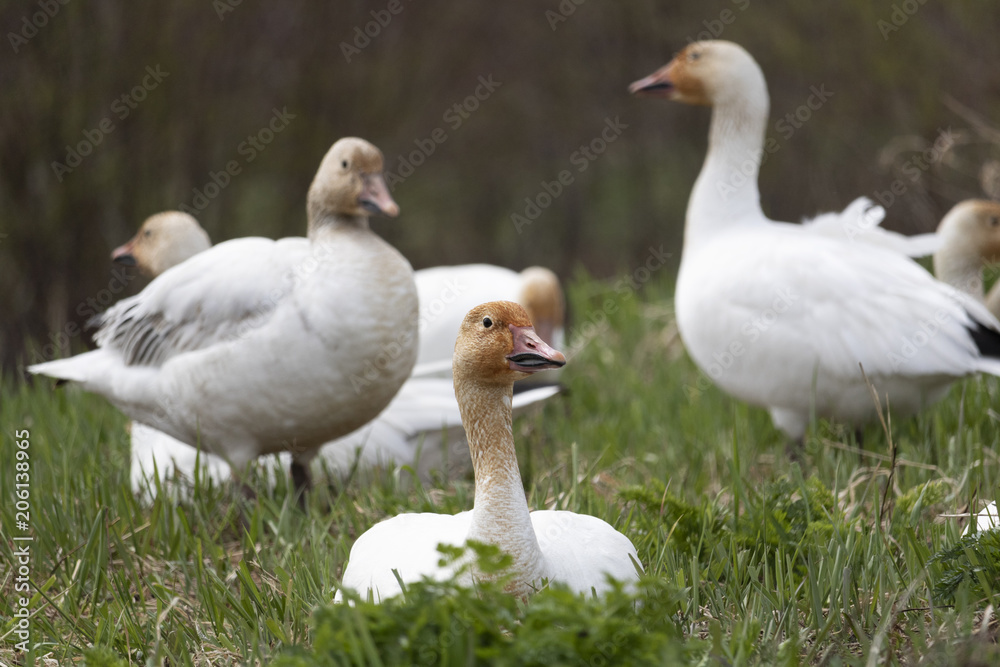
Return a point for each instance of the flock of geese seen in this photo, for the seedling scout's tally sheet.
(330, 347)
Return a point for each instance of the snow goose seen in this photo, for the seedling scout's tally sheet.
(421, 428)
(258, 346)
(496, 345)
(970, 236)
(164, 240)
(447, 293)
(809, 308)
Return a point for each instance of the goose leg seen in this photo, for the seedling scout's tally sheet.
(302, 479)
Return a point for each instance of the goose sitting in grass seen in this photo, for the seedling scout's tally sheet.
(496, 346)
(257, 346)
(970, 241)
(784, 318)
(421, 427)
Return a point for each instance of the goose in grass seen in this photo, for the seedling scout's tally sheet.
(970, 241)
(421, 428)
(781, 317)
(257, 346)
(496, 346)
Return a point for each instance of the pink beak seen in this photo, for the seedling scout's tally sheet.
(532, 354)
(123, 254)
(375, 196)
(657, 84)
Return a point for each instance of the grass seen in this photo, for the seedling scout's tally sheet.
(847, 557)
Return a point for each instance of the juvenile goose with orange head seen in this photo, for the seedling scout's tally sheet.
(258, 346)
(970, 241)
(809, 307)
(496, 346)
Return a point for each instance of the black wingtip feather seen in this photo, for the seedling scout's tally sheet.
(987, 340)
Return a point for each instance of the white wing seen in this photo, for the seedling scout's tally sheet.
(217, 295)
(804, 312)
(582, 551)
(861, 222)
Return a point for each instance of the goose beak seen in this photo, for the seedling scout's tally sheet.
(532, 354)
(123, 254)
(375, 197)
(658, 84)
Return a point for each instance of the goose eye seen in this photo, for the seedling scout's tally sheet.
(344, 164)
(487, 322)
(994, 221)
(147, 233)
(694, 56)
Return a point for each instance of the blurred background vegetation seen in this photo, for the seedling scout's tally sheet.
(897, 81)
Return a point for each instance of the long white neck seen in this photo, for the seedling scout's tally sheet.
(500, 513)
(726, 192)
(960, 265)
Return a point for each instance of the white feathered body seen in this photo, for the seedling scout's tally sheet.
(578, 550)
(792, 316)
(258, 346)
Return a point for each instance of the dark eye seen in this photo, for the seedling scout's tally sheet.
(344, 164)
(148, 233)
(694, 55)
(487, 322)
(994, 221)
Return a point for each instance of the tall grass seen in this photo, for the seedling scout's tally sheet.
(845, 556)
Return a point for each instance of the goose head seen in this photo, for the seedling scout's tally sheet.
(707, 73)
(164, 240)
(974, 224)
(349, 183)
(497, 345)
(542, 297)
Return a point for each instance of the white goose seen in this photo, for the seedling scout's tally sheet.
(970, 240)
(421, 427)
(781, 317)
(496, 346)
(257, 346)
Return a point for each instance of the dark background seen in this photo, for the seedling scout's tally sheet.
(893, 91)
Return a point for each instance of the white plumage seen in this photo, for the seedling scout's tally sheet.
(496, 345)
(782, 317)
(258, 346)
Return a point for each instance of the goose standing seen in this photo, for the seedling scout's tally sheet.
(421, 427)
(781, 317)
(496, 346)
(970, 240)
(258, 346)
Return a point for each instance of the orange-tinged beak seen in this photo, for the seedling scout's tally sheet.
(532, 354)
(123, 254)
(658, 84)
(375, 197)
